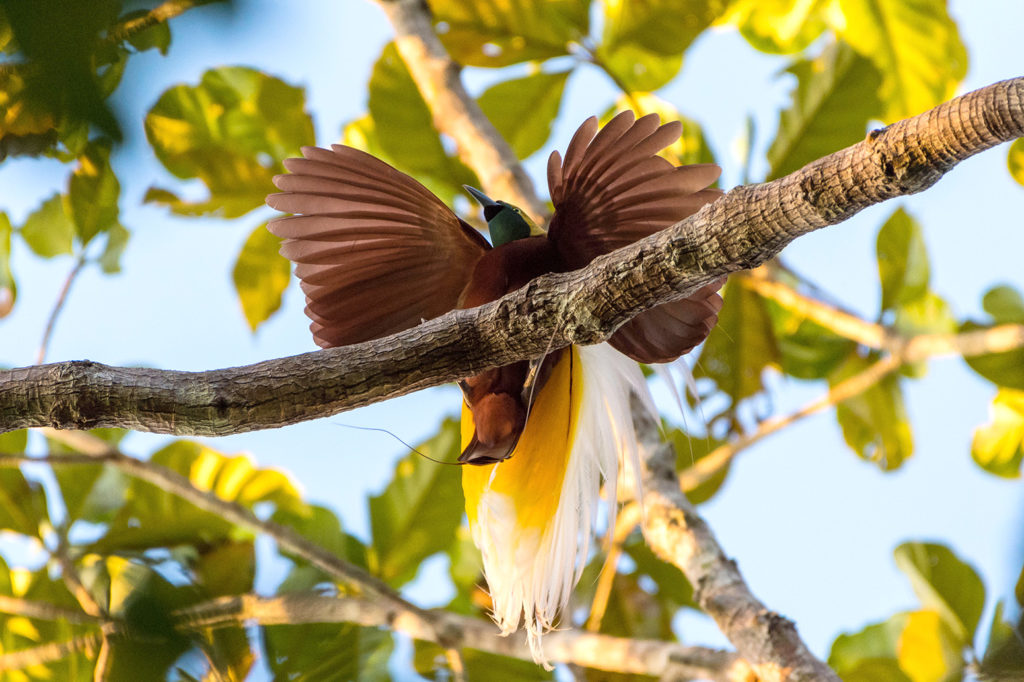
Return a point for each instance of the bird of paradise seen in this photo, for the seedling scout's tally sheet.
(377, 253)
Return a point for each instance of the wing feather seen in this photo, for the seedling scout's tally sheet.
(375, 251)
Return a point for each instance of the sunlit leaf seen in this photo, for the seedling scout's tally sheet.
(403, 128)
(48, 231)
(1006, 369)
(231, 131)
(22, 503)
(740, 347)
(8, 287)
(13, 442)
(662, 27)
(419, 511)
(1015, 160)
(636, 69)
(927, 314)
(260, 275)
(870, 655)
(158, 35)
(834, 98)
(944, 584)
(915, 45)
(779, 26)
(329, 652)
(523, 109)
(902, 260)
(501, 32)
(93, 192)
(154, 517)
(998, 447)
(874, 423)
(928, 651)
(1004, 304)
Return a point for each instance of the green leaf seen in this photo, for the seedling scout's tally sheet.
(870, 655)
(14, 442)
(49, 230)
(421, 508)
(8, 287)
(320, 526)
(22, 503)
(523, 109)
(779, 26)
(231, 131)
(636, 69)
(740, 347)
(928, 651)
(1004, 653)
(117, 242)
(1004, 304)
(465, 566)
(1015, 160)
(341, 653)
(661, 27)
(945, 585)
(154, 517)
(673, 587)
(261, 275)
(927, 314)
(495, 33)
(998, 447)
(874, 423)
(902, 260)
(156, 36)
(835, 97)
(690, 450)
(93, 192)
(403, 128)
(913, 43)
(429, 660)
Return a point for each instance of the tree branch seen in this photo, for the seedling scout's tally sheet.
(48, 653)
(676, 533)
(743, 229)
(603, 652)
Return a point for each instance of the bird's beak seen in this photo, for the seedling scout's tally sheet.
(482, 198)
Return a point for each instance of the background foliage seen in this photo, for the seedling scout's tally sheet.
(138, 552)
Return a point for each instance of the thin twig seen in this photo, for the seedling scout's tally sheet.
(626, 520)
(45, 611)
(48, 653)
(58, 306)
(69, 573)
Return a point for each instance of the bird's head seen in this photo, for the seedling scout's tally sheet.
(505, 222)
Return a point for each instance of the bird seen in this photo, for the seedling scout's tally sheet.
(377, 253)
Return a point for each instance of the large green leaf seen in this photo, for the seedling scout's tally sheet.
(1004, 304)
(501, 32)
(322, 527)
(419, 511)
(93, 191)
(779, 26)
(48, 231)
(998, 447)
(523, 109)
(22, 503)
(1015, 160)
(403, 128)
(13, 442)
(662, 27)
(231, 131)
(874, 423)
(870, 655)
(945, 585)
(8, 287)
(154, 517)
(1004, 653)
(261, 275)
(902, 260)
(328, 652)
(835, 97)
(634, 68)
(740, 347)
(915, 45)
(928, 314)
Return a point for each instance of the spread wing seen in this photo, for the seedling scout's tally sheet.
(612, 190)
(375, 251)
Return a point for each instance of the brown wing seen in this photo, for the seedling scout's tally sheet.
(375, 251)
(612, 190)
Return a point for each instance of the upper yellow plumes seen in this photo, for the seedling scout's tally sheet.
(533, 476)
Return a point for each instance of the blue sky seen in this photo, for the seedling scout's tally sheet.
(811, 525)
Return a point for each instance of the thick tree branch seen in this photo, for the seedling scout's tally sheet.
(743, 229)
(603, 652)
(676, 533)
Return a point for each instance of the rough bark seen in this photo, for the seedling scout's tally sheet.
(746, 227)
